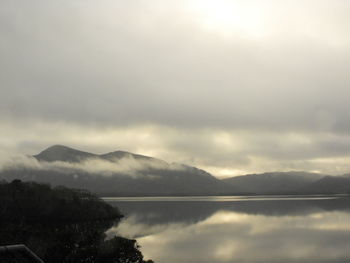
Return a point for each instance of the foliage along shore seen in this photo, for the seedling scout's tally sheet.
(62, 225)
(37, 203)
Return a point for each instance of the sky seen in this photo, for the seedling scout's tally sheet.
(229, 86)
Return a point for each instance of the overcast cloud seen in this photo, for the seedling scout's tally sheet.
(229, 86)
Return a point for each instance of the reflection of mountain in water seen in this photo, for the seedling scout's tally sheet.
(257, 230)
(189, 212)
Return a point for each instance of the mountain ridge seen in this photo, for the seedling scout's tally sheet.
(273, 182)
(128, 174)
(121, 173)
(67, 154)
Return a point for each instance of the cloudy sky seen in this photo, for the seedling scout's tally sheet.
(230, 86)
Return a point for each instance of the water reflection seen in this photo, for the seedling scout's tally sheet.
(302, 230)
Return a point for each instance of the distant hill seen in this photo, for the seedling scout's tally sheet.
(273, 183)
(329, 185)
(115, 173)
(66, 154)
(121, 173)
(63, 154)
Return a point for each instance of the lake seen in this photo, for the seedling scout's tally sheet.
(238, 229)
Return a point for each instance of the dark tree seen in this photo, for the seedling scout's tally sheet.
(62, 225)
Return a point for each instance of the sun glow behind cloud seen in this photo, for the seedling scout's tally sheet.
(221, 152)
(231, 17)
(229, 86)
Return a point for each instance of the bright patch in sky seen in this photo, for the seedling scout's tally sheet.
(229, 86)
(231, 17)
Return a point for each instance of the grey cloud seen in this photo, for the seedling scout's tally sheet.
(152, 62)
(98, 71)
(223, 152)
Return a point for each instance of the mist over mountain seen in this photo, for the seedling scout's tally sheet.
(121, 173)
(67, 154)
(115, 173)
(63, 154)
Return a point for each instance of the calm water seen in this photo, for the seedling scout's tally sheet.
(238, 229)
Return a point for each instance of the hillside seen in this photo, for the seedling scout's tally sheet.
(116, 173)
(121, 173)
(329, 185)
(273, 183)
(61, 225)
(32, 202)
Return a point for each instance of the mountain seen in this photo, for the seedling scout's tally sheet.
(273, 183)
(116, 173)
(329, 185)
(63, 154)
(66, 154)
(121, 173)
